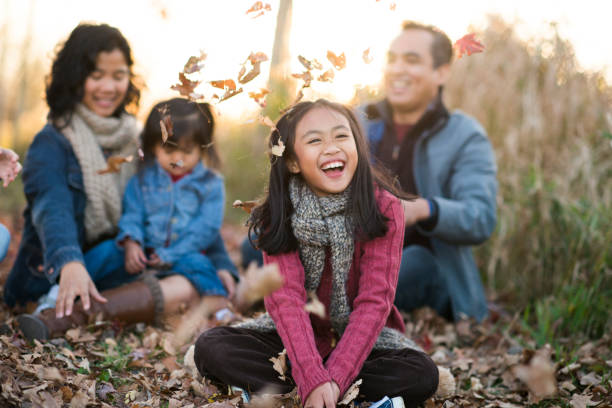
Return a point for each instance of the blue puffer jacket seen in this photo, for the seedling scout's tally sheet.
(454, 165)
(54, 229)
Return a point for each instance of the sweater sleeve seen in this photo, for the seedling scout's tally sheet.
(286, 307)
(379, 268)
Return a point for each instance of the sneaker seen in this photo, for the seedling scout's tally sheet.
(386, 402)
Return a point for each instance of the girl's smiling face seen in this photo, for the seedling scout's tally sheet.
(325, 150)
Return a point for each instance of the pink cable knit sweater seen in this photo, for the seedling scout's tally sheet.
(370, 288)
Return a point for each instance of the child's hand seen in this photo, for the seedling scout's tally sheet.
(154, 261)
(228, 282)
(9, 166)
(324, 396)
(135, 259)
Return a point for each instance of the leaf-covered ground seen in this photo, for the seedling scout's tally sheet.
(495, 364)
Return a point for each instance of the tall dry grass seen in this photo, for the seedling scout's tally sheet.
(550, 124)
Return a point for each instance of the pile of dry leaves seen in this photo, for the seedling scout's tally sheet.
(111, 366)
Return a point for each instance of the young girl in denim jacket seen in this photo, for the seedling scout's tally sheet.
(168, 251)
(173, 208)
(333, 228)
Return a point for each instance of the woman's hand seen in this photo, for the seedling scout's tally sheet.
(324, 396)
(415, 211)
(135, 259)
(155, 261)
(75, 281)
(228, 282)
(9, 166)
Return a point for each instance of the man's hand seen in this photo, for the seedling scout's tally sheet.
(324, 396)
(9, 166)
(75, 281)
(135, 259)
(228, 282)
(415, 211)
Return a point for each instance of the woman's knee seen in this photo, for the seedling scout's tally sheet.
(428, 376)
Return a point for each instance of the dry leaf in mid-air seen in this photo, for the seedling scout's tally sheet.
(140, 153)
(468, 45)
(266, 121)
(223, 84)
(256, 284)
(258, 9)
(113, 164)
(338, 61)
(392, 6)
(538, 374)
(327, 76)
(229, 93)
(315, 306)
(351, 393)
(259, 97)
(194, 64)
(186, 87)
(305, 76)
(367, 58)
(278, 149)
(247, 206)
(165, 124)
(280, 364)
(308, 64)
(255, 59)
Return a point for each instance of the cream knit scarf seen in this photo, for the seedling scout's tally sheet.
(91, 136)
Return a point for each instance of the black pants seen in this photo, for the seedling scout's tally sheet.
(240, 357)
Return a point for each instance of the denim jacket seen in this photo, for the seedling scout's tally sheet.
(54, 229)
(173, 218)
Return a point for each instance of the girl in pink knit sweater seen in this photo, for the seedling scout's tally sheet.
(334, 229)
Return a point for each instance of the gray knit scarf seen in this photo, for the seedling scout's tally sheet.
(319, 223)
(88, 134)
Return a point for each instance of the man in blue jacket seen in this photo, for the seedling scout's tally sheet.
(444, 158)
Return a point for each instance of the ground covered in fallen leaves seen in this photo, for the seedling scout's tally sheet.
(495, 364)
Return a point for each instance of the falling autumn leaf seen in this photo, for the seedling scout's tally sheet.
(194, 64)
(305, 76)
(309, 65)
(392, 6)
(256, 284)
(315, 306)
(351, 393)
(179, 164)
(223, 84)
(266, 121)
(113, 164)
(468, 45)
(140, 153)
(258, 7)
(367, 58)
(259, 96)
(247, 206)
(229, 93)
(186, 87)
(256, 57)
(165, 124)
(278, 149)
(327, 76)
(338, 61)
(280, 364)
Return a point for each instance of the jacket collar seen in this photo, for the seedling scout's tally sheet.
(435, 115)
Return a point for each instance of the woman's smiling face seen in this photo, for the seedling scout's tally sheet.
(106, 87)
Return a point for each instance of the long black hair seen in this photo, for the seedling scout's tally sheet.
(270, 222)
(76, 59)
(192, 123)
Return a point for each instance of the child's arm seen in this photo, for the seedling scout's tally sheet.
(202, 230)
(131, 223)
(379, 269)
(286, 307)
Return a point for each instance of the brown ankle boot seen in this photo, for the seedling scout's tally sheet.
(139, 301)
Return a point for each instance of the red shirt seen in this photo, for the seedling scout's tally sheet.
(371, 285)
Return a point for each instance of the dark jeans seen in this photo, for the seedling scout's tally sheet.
(240, 357)
(420, 283)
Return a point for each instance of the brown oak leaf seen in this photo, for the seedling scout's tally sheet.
(468, 45)
(338, 61)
